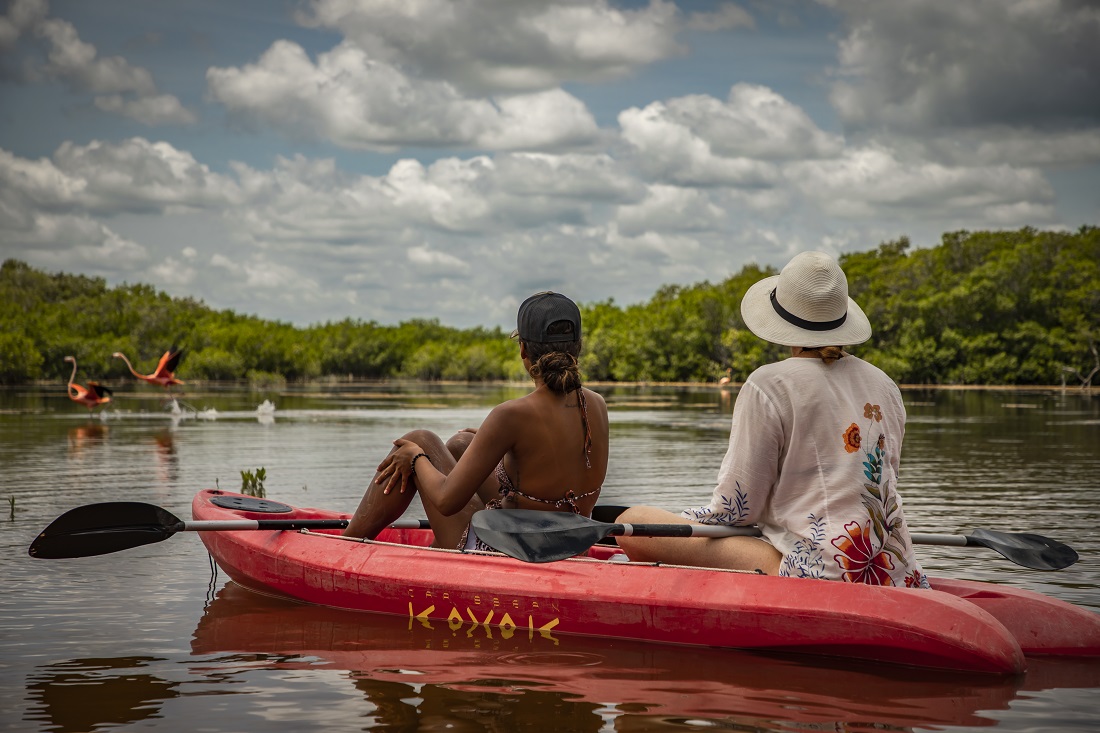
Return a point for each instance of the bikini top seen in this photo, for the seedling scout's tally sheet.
(508, 489)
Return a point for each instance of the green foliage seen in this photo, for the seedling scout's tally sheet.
(1009, 307)
(252, 484)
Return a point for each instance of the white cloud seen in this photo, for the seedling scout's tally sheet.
(436, 262)
(22, 16)
(671, 209)
(129, 90)
(78, 64)
(926, 65)
(263, 274)
(67, 242)
(362, 103)
(152, 110)
(725, 17)
(493, 46)
(874, 182)
(131, 175)
(173, 274)
(1000, 144)
(306, 239)
(703, 141)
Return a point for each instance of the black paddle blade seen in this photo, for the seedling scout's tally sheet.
(1029, 550)
(98, 529)
(534, 536)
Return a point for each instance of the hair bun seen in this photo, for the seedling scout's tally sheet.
(558, 370)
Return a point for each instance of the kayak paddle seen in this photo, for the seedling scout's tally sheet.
(528, 535)
(538, 536)
(1028, 550)
(98, 529)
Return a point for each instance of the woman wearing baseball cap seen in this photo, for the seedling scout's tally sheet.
(813, 450)
(546, 450)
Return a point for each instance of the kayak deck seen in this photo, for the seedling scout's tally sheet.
(962, 625)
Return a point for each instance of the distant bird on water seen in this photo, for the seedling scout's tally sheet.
(164, 374)
(94, 395)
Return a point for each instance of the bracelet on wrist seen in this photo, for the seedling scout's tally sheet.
(412, 464)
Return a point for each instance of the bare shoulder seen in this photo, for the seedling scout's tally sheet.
(594, 399)
(507, 413)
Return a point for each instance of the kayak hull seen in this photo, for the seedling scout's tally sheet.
(977, 627)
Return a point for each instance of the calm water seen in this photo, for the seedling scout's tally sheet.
(151, 639)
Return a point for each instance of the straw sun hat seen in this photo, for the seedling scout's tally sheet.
(806, 304)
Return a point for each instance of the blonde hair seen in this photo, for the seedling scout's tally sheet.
(828, 354)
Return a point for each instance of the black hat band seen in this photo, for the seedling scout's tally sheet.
(794, 320)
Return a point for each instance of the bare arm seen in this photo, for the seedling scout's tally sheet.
(450, 493)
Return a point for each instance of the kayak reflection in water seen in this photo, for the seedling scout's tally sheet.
(813, 450)
(546, 450)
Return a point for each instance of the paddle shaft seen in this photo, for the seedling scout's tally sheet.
(233, 525)
(721, 530)
(682, 530)
(947, 540)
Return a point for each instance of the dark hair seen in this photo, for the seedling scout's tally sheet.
(556, 363)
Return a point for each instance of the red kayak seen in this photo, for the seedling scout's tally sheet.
(961, 625)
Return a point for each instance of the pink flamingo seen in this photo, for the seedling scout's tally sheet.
(94, 395)
(164, 374)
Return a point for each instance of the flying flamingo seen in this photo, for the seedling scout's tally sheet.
(91, 397)
(164, 374)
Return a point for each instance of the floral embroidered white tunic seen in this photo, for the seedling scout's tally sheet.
(813, 460)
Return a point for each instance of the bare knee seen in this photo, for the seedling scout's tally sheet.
(458, 443)
(650, 515)
(423, 438)
(645, 549)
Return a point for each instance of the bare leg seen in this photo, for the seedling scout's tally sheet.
(731, 553)
(457, 445)
(377, 509)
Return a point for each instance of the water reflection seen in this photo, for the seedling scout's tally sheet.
(80, 695)
(167, 460)
(85, 437)
(971, 460)
(416, 675)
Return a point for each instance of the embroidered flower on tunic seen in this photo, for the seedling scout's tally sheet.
(916, 579)
(851, 438)
(861, 562)
(874, 411)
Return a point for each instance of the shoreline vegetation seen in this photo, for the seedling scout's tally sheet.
(992, 310)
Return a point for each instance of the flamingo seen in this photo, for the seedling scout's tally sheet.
(164, 374)
(91, 397)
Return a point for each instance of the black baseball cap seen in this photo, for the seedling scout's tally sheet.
(540, 311)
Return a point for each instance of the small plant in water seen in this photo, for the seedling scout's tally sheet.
(11, 501)
(252, 484)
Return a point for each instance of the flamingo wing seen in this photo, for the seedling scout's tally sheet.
(99, 389)
(169, 361)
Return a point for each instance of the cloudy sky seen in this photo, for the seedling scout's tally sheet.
(395, 159)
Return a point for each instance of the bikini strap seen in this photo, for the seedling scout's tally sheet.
(587, 430)
(569, 500)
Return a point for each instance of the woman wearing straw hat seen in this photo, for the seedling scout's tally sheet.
(813, 451)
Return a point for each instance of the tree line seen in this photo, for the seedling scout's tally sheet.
(1006, 307)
